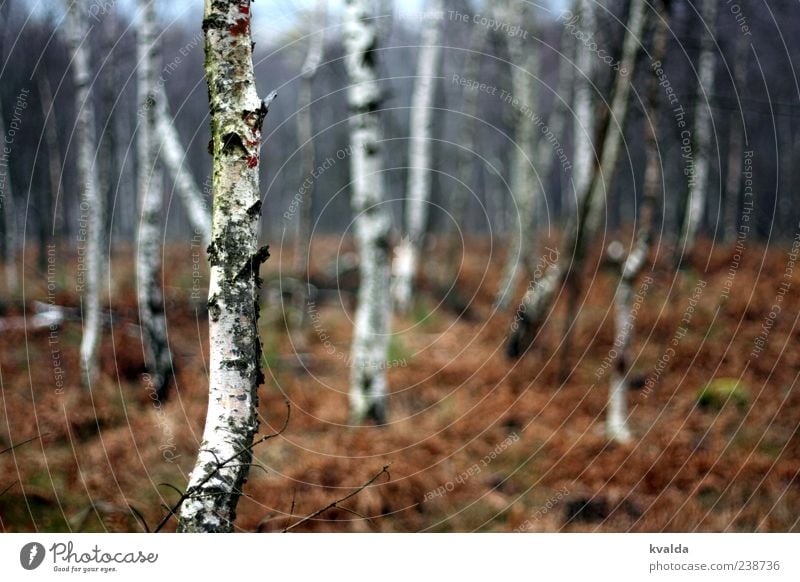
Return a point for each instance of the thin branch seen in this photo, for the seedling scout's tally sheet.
(192, 490)
(140, 517)
(340, 500)
(25, 442)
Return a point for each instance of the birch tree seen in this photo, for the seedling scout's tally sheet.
(148, 244)
(733, 180)
(234, 257)
(305, 136)
(631, 265)
(581, 228)
(173, 155)
(584, 119)
(92, 204)
(702, 124)
(525, 193)
(372, 219)
(419, 155)
(9, 216)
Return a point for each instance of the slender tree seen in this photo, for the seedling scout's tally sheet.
(92, 204)
(234, 256)
(581, 228)
(584, 119)
(631, 265)
(419, 155)
(372, 222)
(173, 155)
(525, 192)
(56, 219)
(702, 125)
(738, 130)
(305, 136)
(148, 244)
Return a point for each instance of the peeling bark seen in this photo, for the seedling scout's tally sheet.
(419, 155)
(234, 258)
(581, 229)
(92, 203)
(149, 181)
(372, 222)
(698, 181)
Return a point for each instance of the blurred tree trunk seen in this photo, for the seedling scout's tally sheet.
(372, 222)
(56, 219)
(108, 173)
(698, 178)
(9, 214)
(584, 119)
(467, 157)
(540, 298)
(631, 265)
(733, 181)
(150, 233)
(305, 137)
(175, 160)
(92, 204)
(235, 258)
(418, 191)
(524, 187)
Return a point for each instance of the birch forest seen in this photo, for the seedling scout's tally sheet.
(399, 266)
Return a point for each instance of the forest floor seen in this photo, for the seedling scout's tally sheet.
(475, 442)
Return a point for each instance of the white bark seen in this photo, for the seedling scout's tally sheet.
(91, 202)
(632, 265)
(148, 244)
(9, 214)
(234, 258)
(698, 181)
(305, 136)
(419, 153)
(372, 222)
(524, 189)
(584, 119)
(581, 229)
(174, 157)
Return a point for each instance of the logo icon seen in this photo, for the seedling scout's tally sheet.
(31, 555)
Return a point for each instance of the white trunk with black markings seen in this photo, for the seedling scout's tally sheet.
(419, 155)
(150, 234)
(92, 206)
(234, 258)
(698, 184)
(372, 222)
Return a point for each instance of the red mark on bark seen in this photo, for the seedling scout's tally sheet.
(252, 161)
(244, 9)
(241, 26)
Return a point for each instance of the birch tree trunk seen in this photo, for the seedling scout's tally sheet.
(174, 157)
(92, 206)
(698, 179)
(632, 265)
(235, 258)
(525, 193)
(540, 297)
(733, 181)
(305, 136)
(372, 222)
(148, 245)
(9, 214)
(419, 155)
(584, 120)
